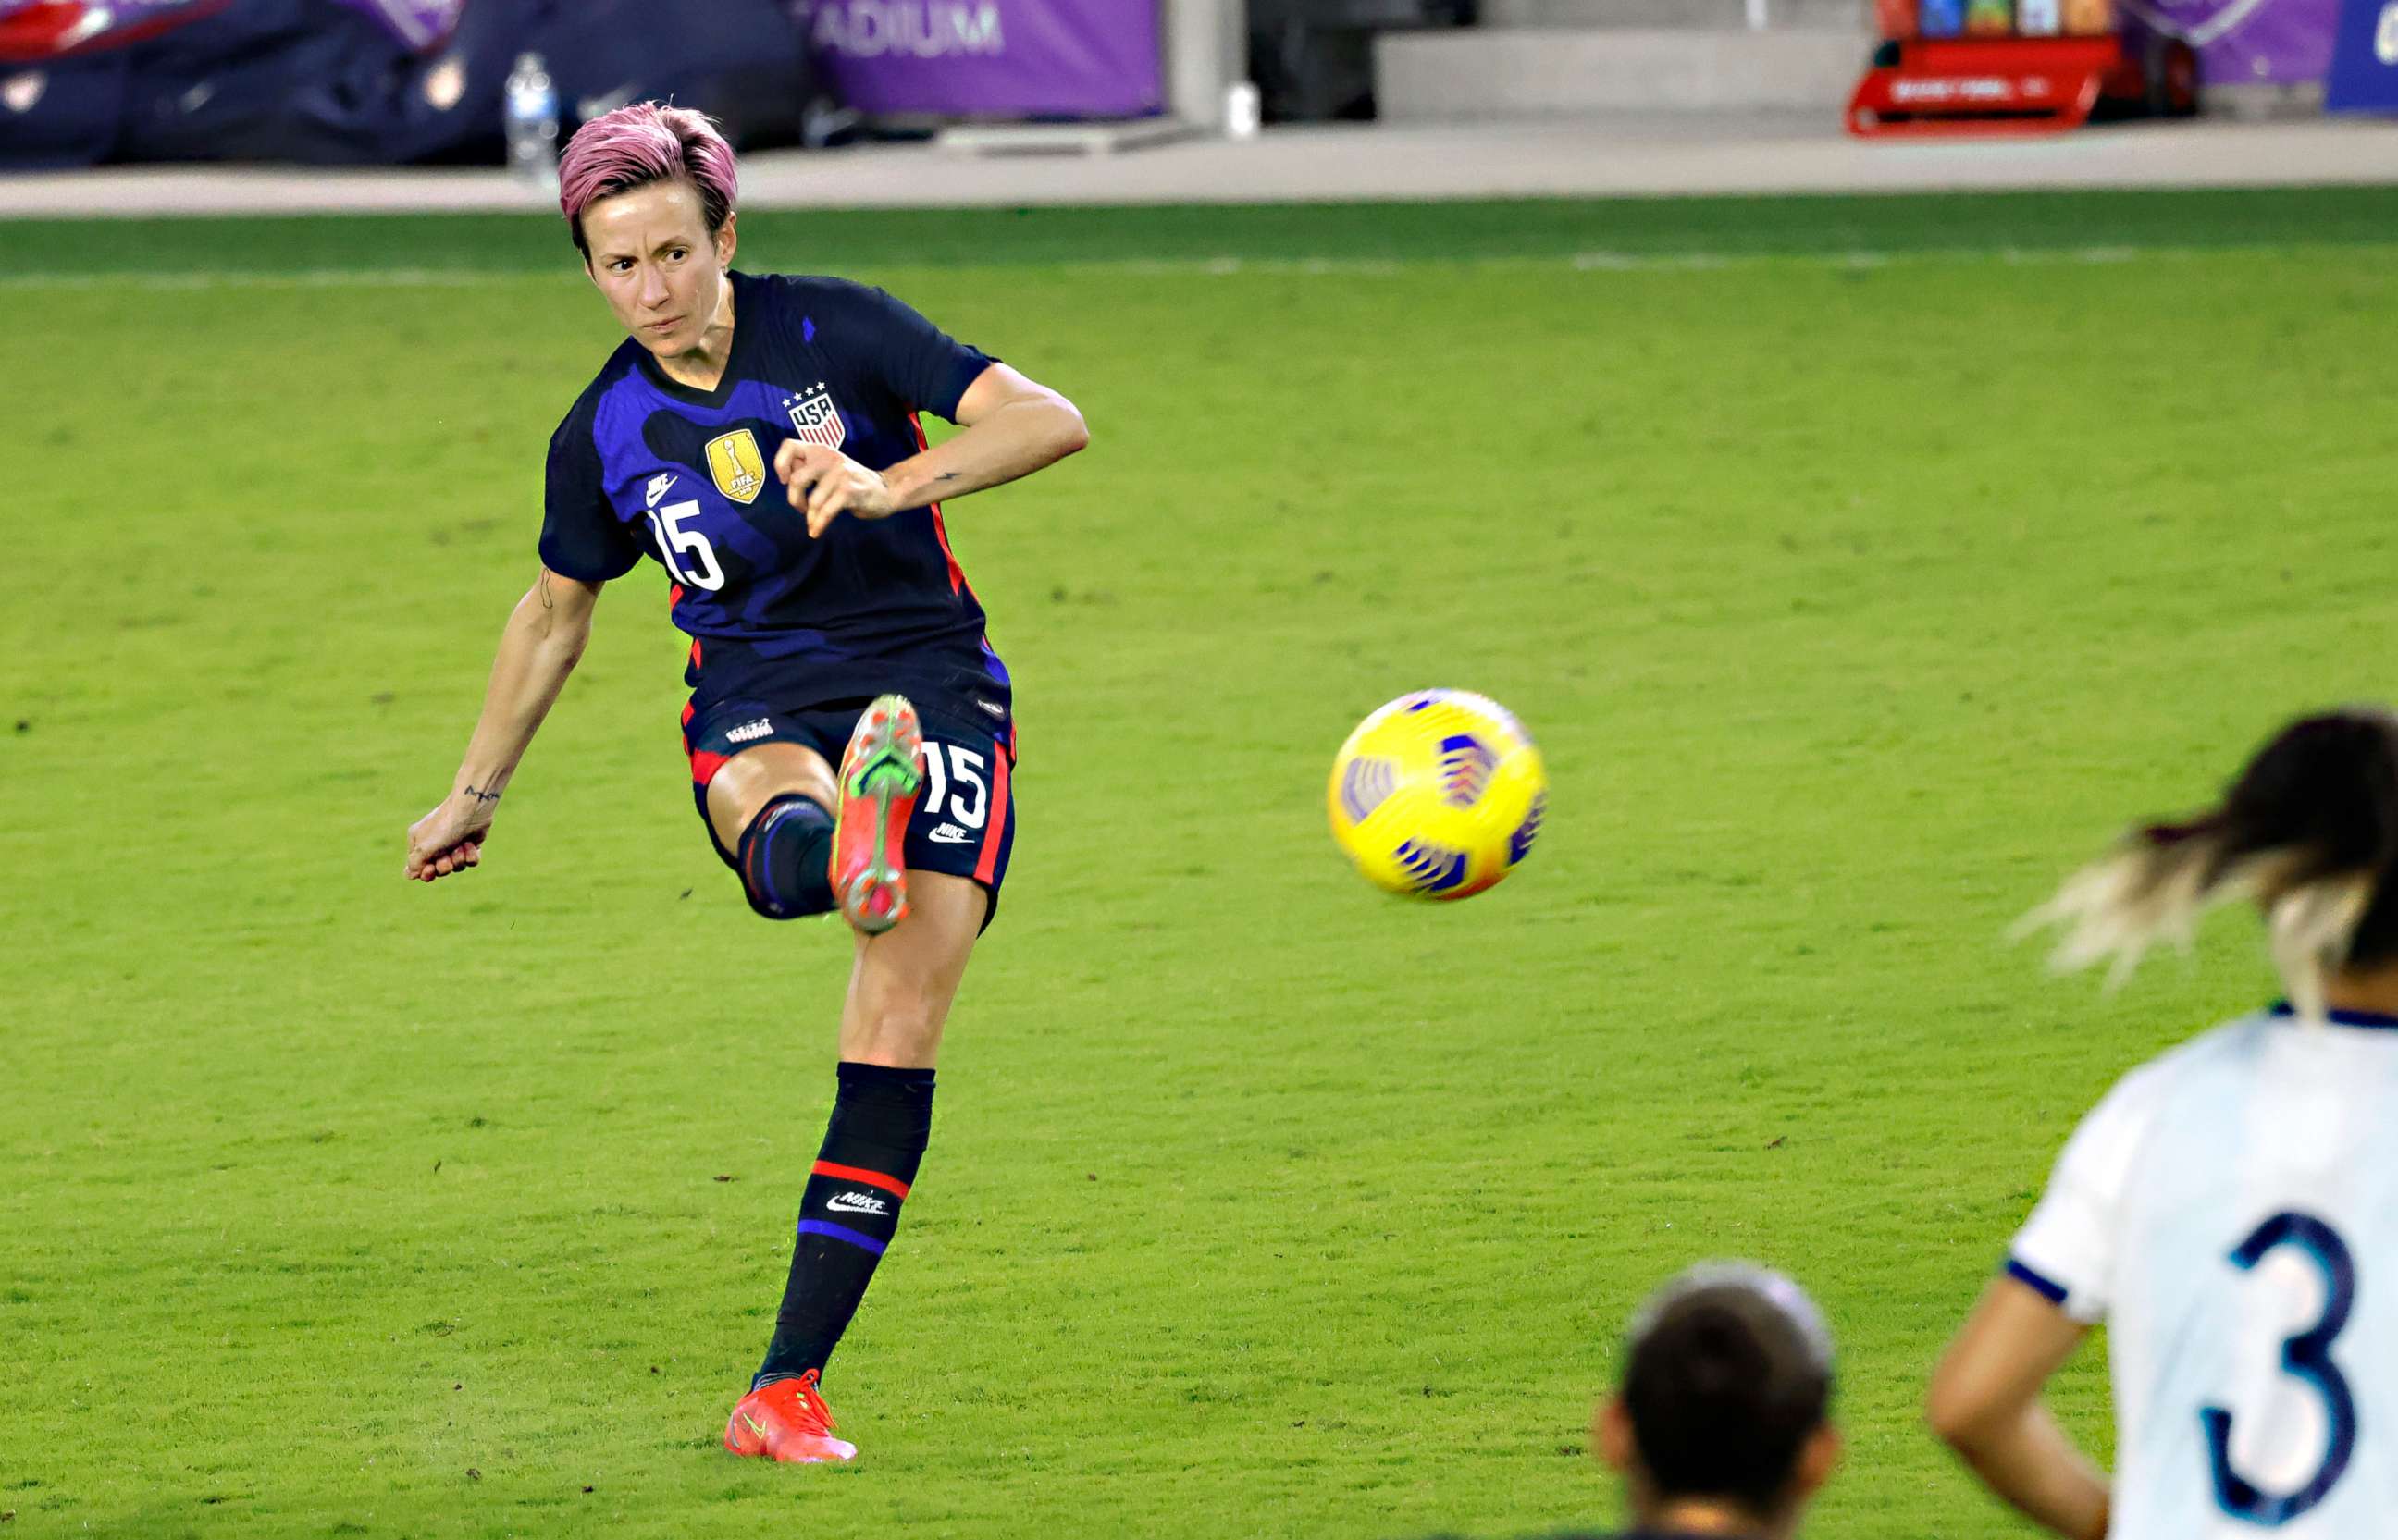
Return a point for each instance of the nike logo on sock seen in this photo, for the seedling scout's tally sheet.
(856, 1202)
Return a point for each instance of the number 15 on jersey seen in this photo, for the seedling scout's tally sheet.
(675, 541)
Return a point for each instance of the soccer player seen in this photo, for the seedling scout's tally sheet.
(1723, 1425)
(2231, 1209)
(759, 437)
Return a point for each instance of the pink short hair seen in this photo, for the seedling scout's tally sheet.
(638, 144)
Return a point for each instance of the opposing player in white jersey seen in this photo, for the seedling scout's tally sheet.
(2231, 1209)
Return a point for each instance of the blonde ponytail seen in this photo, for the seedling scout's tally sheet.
(2307, 833)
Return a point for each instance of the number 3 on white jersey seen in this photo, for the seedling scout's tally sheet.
(2306, 1356)
(673, 539)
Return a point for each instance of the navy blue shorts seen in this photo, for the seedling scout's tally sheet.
(964, 823)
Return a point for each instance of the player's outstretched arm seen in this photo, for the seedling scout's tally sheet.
(544, 639)
(1985, 1404)
(1013, 427)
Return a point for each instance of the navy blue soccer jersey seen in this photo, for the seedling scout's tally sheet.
(643, 465)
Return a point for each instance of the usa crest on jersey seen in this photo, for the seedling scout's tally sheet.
(814, 419)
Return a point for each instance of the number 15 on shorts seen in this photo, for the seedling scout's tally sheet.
(960, 793)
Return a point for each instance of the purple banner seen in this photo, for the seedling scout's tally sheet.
(1007, 59)
(421, 25)
(2364, 72)
(2247, 42)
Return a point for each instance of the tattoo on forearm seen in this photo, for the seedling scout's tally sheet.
(484, 798)
(950, 475)
(544, 585)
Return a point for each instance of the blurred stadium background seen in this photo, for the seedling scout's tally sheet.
(1868, 513)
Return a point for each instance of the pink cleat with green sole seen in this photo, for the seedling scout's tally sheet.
(882, 773)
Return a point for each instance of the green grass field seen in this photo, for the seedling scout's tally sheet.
(1861, 564)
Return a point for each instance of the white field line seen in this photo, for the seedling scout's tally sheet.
(328, 278)
(1580, 261)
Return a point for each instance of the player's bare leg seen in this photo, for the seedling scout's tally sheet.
(745, 783)
(905, 979)
(771, 804)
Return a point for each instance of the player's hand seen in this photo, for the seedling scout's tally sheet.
(824, 484)
(450, 838)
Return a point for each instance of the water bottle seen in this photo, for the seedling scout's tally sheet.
(531, 123)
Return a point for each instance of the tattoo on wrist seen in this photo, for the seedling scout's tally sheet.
(484, 798)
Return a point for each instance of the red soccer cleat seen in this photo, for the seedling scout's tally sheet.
(881, 774)
(787, 1421)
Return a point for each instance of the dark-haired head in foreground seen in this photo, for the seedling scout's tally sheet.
(1722, 1426)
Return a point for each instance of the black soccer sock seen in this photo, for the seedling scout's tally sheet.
(881, 1119)
(785, 853)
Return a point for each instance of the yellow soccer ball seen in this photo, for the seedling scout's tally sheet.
(1438, 795)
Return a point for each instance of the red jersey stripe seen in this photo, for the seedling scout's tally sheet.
(941, 529)
(995, 827)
